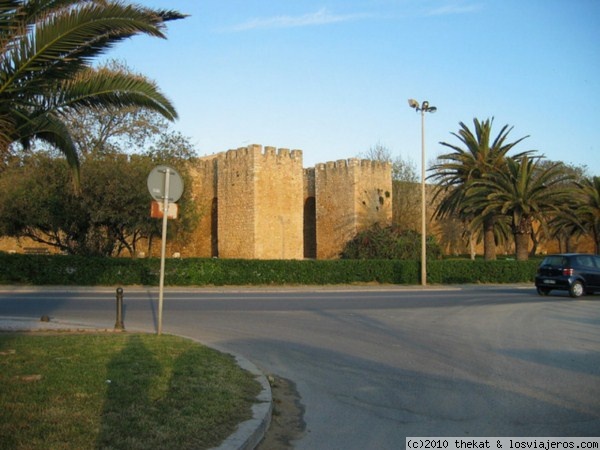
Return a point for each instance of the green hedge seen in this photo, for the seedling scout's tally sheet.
(481, 271)
(71, 270)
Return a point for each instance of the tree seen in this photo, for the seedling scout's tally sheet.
(525, 192)
(113, 209)
(114, 129)
(584, 217)
(110, 214)
(456, 171)
(563, 225)
(35, 204)
(402, 170)
(45, 71)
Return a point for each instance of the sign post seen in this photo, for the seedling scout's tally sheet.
(166, 185)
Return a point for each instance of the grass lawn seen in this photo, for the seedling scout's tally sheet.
(118, 391)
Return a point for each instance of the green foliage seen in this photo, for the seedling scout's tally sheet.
(480, 271)
(389, 243)
(583, 217)
(525, 191)
(72, 270)
(109, 214)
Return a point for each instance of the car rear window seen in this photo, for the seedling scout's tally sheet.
(556, 261)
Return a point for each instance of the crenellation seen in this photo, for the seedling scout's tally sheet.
(230, 154)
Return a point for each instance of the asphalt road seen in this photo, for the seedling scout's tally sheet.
(374, 366)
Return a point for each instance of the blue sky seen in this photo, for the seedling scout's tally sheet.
(333, 77)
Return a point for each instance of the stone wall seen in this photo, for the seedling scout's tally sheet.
(351, 195)
(204, 193)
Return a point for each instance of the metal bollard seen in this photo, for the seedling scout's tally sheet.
(119, 323)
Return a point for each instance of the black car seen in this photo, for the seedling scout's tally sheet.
(574, 272)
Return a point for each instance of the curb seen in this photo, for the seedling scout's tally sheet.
(247, 435)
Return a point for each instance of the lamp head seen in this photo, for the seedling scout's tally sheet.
(413, 103)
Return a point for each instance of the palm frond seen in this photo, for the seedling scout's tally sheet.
(104, 87)
(65, 41)
(51, 129)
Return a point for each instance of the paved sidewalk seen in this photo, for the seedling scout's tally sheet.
(248, 434)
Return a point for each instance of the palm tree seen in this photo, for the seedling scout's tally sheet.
(525, 191)
(47, 47)
(456, 171)
(585, 217)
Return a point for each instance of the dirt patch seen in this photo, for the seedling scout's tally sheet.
(287, 423)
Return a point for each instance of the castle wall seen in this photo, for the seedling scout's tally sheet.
(351, 195)
(203, 241)
(279, 204)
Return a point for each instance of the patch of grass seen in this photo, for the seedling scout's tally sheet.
(118, 391)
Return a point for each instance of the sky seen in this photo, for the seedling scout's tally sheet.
(333, 77)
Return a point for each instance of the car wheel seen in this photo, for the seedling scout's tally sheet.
(543, 290)
(576, 289)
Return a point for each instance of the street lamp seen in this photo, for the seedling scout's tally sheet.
(423, 108)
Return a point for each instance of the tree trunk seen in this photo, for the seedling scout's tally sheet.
(521, 246)
(534, 246)
(489, 241)
(472, 246)
(522, 233)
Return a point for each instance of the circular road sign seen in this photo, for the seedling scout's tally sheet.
(156, 183)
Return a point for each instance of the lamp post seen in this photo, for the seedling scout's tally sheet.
(423, 108)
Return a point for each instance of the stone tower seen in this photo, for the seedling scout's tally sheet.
(350, 196)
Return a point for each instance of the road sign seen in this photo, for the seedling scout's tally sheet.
(157, 210)
(156, 183)
(166, 185)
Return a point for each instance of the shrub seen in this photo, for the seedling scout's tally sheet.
(389, 243)
(73, 270)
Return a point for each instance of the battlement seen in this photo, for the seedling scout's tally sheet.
(204, 163)
(272, 152)
(254, 151)
(346, 164)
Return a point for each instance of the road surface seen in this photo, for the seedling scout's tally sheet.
(374, 366)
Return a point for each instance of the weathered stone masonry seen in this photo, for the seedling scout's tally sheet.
(263, 204)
